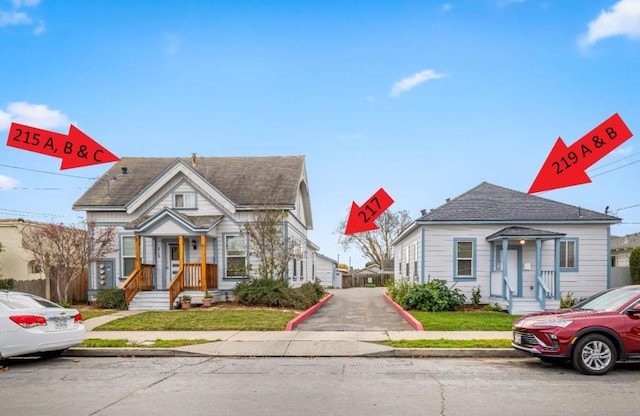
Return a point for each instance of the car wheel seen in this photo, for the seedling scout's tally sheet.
(594, 355)
(51, 354)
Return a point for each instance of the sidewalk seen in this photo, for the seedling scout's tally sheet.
(289, 343)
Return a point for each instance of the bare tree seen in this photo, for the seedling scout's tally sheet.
(64, 252)
(268, 243)
(376, 245)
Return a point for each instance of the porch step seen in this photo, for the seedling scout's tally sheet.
(150, 301)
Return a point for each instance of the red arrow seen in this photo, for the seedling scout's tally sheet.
(362, 218)
(565, 166)
(75, 149)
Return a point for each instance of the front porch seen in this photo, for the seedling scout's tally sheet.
(196, 278)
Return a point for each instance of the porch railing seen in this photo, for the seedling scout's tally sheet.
(140, 279)
(549, 279)
(542, 292)
(189, 277)
(507, 292)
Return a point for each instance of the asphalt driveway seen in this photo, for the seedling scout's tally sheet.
(356, 309)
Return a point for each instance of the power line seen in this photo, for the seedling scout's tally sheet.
(29, 213)
(50, 173)
(619, 167)
(613, 163)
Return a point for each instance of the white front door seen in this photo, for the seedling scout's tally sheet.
(172, 262)
(512, 270)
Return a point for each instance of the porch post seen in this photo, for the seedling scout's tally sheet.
(181, 251)
(556, 268)
(538, 263)
(203, 261)
(138, 262)
(505, 263)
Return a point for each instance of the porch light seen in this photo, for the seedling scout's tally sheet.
(193, 243)
(522, 241)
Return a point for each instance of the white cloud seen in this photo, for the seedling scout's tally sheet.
(14, 18)
(446, 7)
(40, 28)
(623, 18)
(7, 182)
(414, 80)
(37, 115)
(623, 151)
(172, 44)
(505, 3)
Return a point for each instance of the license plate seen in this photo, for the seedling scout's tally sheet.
(60, 324)
(517, 338)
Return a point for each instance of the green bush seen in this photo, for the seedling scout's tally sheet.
(634, 265)
(397, 291)
(567, 301)
(434, 296)
(7, 284)
(493, 307)
(475, 296)
(277, 293)
(110, 299)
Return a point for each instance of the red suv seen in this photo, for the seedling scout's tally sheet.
(593, 335)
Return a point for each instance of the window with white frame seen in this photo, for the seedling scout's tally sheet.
(464, 262)
(569, 254)
(236, 255)
(128, 255)
(184, 200)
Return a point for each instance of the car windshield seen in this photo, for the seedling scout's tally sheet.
(610, 300)
(17, 300)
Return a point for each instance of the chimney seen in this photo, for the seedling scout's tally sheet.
(124, 170)
(448, 199)
(193, 159)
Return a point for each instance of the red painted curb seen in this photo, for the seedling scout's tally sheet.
(304, 315)
(406, 315)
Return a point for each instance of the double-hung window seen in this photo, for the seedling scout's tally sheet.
(464, 251)
(128, 254)
(236, 255)
(569, 255)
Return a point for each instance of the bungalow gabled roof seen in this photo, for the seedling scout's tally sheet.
(245, 181)
(491, 203)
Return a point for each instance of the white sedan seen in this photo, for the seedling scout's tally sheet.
(31, 325)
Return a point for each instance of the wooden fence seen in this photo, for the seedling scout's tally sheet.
(78, 291)
(362, 280)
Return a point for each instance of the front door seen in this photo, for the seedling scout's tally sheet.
(172, 262)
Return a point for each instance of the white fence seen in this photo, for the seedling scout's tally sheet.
(620, 276)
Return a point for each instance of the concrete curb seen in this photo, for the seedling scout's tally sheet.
(505, 353)
(304, 315)
(406, 315)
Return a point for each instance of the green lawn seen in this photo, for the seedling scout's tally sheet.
(207, 320)
(465, 321)
(450, 343)
(94, 313)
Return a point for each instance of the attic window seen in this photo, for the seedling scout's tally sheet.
(184, 200)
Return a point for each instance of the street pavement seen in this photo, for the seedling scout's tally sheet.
(353, 323)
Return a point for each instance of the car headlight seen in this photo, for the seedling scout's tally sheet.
(560, 324)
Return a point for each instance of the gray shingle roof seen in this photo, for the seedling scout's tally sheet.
(244, 180)
(487, 202)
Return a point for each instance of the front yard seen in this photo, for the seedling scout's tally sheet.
(465, 321)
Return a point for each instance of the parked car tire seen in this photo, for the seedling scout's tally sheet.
(594, 355)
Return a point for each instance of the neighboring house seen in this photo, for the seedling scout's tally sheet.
(521, 250)
(16, 262)
(181, 220)
(621, 248)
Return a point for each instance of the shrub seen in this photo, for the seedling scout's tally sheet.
(277, 293)
(433, 296)
(634, 265)
(493, 307)
(397, 291)
(7, 284)
(567, 301)
(110, 299)
(475, 296)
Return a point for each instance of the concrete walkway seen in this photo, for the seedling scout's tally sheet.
(356, 309)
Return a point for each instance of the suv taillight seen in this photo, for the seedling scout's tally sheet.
(29, 321)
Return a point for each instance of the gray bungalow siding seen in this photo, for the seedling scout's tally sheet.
(521, 250)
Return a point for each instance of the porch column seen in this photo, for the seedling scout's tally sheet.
(538, 262)
(505, 267)
(181, 251)
(556, 267)
(138, 260)
(203, 261)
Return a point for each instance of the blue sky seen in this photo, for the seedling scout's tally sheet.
(423, 98)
